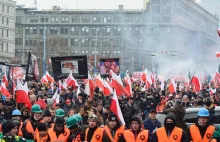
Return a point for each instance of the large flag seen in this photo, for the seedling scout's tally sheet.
(107, 88)
(146, 77)
(90, 87)
(115, 108)
(49, 77)
(118, 85)
(127, 81)
(197, 85)
(4, 90)
(44, 79)
(56, 97)
(22, 94)
(60, 84)
(217, 54)
(172, 86)
(99, 82)
(32, 72)
(70, 81)
(218, 31)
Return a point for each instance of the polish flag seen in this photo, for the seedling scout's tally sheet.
(56, 97)
(22, 94)
(146, 77)
(5, 79)
(99, 82)
(127, 81)
(44, 79)
(153, 78)
(42, 104)
(162, 85)
(49, 77)
(89, 87)
(217, 74)
(70, 81)
(212, 91)
(172, 86)
(4, 90)
(115, 108)
(118, 85)
(217, 54)
(13, 87)
(107, 88)
(218, 31)
(78, 91)
(197, 85)
(60, 85)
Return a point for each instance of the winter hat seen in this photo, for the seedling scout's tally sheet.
(135, 118)
(59, 121)
(46, 113)
(42, 127)
(92, 116)
(170, 115)
(68, 101)
(112, 117)
(178, 102)
(7, 126)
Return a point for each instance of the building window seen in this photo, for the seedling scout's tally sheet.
(155, 19)
(86, 19)
(75, 19)
(116, 30)
(7, 21)
(94, 31)
(95, 42)
(56, 19)
(3, 8)
(27, 19)
(41, 30)
(117, 42)
(64, 30)
(7, 33)
(96, 19)
(74, 41)
(85, 42)
(105, 53)
(41, 19)
(106, 42)
(67, 19)
(74, 30)
(167, 9)
(85, 31)
(117, 53)
(128, 19)
(117, 19)
(27, 30)
(155, 9)
(138, 31)
(18, 41)
(106, 31)
(35, 30)
(46, 19)
(84, 52)
(52, 19)
(166, 19)
(53, 30)
(138, 20)
(8, 9)
(93, 52)
(107, 19)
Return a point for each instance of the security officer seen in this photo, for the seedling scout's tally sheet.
(59, 132)
(170, 133)
(9, 131)
(202, 131)
(73, 123)
(136, 133)
(29, 127)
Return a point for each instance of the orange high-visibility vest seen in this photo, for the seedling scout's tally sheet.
(41, 139)
(142, 136)
(19, 130)
(160, 108)
(30, 129)
(175, 136)
(196, 136)
(62, 137)
(77, 139)
(98, 135)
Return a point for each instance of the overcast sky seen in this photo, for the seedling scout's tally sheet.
(84, 4)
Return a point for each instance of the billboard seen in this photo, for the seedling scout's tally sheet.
(62, 66)
(109, 64)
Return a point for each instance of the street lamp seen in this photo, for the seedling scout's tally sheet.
(152, 66)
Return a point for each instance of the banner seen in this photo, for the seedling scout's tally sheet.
(3, 69)
(32, 72)
(109, 64)
(18, 73)
(62, 66)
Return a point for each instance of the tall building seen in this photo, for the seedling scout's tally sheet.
(212, 6)
(7, 30)
(167, 31)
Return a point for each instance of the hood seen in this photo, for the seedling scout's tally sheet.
(170, 115)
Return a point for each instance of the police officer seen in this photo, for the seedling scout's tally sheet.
(29, 127)
(170, 132)
(202, 130)
(136, 133)
(9, 131)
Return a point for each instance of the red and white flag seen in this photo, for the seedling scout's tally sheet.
(127, 81)
(107, 88)
(22, 94)
(172, 86)
(5, 79)
(118, 85)
(44, 79)
(4, 90)
(49, 77)
(217, 54)
(212, 91)
(115, 108)
(162, 85)
(56, 97)
(99, 82)
(146, 77)
(90, 87)
(197, 85)
(218, 31)
(70, 81)
(60, 84)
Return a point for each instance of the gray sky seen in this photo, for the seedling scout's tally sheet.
(84, 4)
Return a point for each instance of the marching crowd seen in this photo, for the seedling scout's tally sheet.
(79, 118)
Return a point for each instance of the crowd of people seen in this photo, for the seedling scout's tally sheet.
(80, 118)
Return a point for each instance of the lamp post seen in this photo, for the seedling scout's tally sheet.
(44, 59)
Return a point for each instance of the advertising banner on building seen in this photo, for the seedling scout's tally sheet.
(32, 72)
(109, 64)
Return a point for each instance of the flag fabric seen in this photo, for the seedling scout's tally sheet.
(42, 104)
(22, 94)
(60, 84)
(118, 85)
(44, 79)
(4, 90)
(78, 91)
(99, 82)
(212, 91)
(146, 77)
(128, 87)
(115, 108)
(70, 81)
(217, 54)
(13, 87)
(49, 77)
(56, 97)
(32, 72)
(197, 85)
(5, 79)
(172, 86)
(90, 86)
(107, 88)
(162, 85)
(218, 31)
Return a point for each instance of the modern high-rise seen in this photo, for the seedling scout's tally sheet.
(7, 30)
(167, 32)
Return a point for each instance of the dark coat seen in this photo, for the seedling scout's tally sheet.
(150, 125)
(179, 112)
